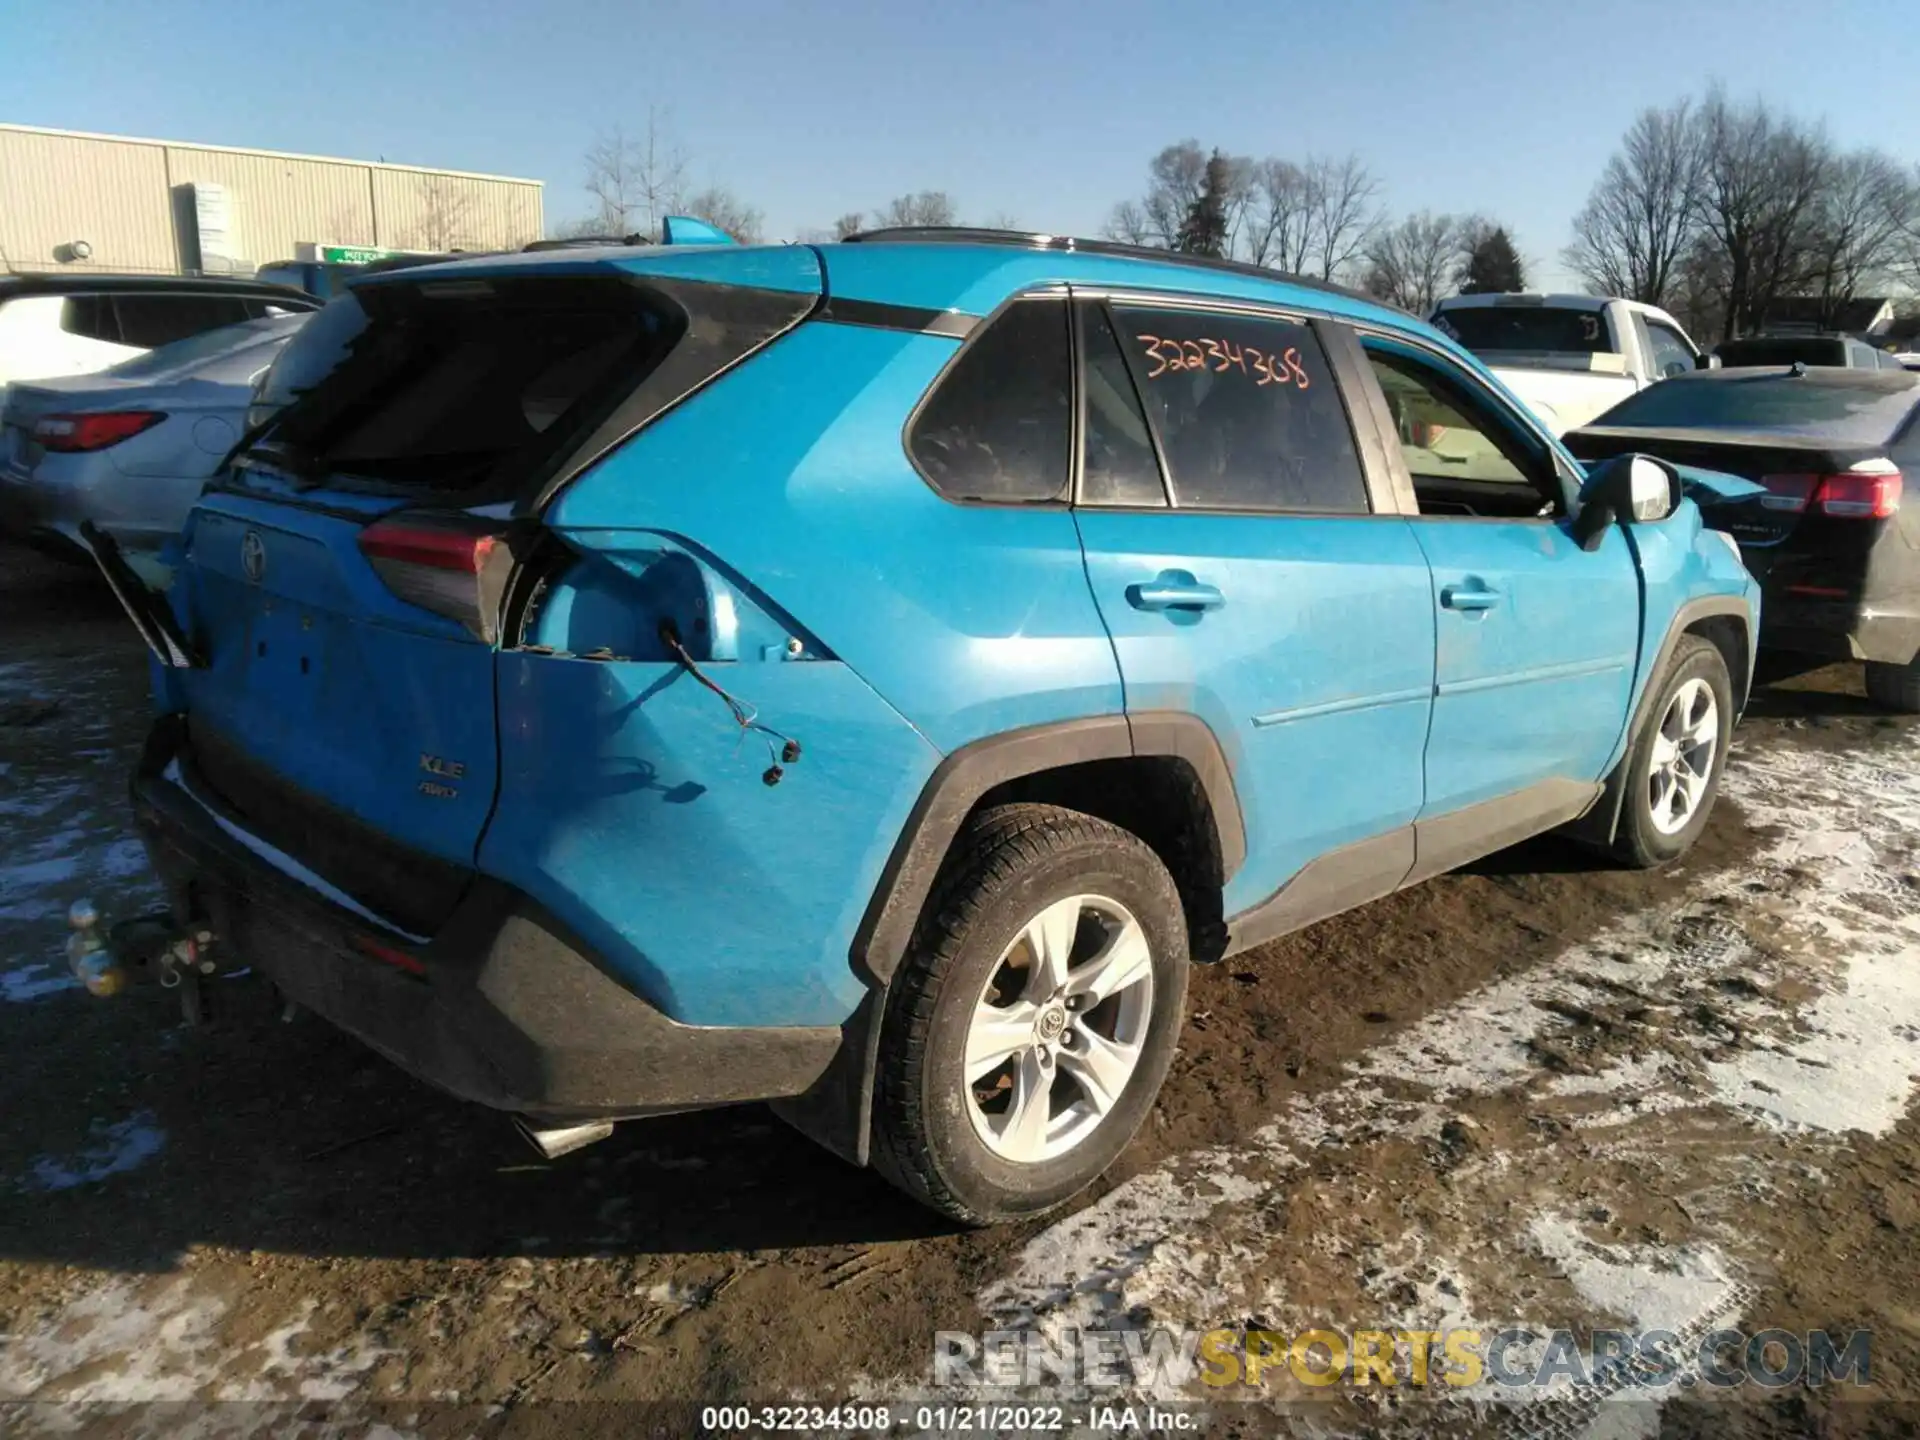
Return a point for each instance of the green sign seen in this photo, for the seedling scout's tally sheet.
(352, 254)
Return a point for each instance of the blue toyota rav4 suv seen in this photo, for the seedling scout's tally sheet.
(865, 676)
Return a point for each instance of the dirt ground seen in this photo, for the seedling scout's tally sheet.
(1542, 1091)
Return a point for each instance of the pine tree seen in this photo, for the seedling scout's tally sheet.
(1493, 265)
(1204, 231)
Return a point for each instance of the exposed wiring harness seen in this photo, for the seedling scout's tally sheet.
(744, 715)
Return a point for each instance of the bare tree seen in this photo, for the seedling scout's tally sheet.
(1176, 178)
(1280, 211)
(1641, 217)
(1342, 193)
(720, 207)
(1413, 264)
(579, 228)
(927, 207)
(1311, 218)
(443, 221)
(1759, 202)
(851, 223)
(1004, 220)
(612, 180)
(635, 182)
(1129, 224)
(1907, 247)
(1868, 203)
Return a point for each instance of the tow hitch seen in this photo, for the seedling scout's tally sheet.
(147, 947)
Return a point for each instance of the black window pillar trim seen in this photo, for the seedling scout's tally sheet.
(1138, 381)
(1389, 486)
(735, 323)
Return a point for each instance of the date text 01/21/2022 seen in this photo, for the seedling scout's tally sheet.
(984, 1419)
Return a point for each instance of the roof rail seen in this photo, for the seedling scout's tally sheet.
(1031, 240)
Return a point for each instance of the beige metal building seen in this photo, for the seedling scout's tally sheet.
(72, 201)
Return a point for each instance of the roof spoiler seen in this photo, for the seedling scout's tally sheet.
(685, 230)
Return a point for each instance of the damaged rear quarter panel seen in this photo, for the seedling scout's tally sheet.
(633, 806)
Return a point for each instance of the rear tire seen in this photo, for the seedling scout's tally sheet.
(1059, 939)
(1894, 687)
(1674, 768)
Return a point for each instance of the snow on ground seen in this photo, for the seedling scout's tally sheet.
(1836, 900)
(111, 1149)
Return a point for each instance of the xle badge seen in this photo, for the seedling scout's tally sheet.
(449, 769)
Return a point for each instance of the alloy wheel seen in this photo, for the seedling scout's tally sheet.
(1058, 1029)
(1683, 757)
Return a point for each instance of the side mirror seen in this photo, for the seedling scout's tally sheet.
(1707, 362)
(1628, 488)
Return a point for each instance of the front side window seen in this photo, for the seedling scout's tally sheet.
(1670, 353)
(1463, 459)
(998, 425)
(1247, 410)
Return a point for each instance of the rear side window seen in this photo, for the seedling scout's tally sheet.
(91, 317)
(998, 424)
(153, 320)
(453, 386)
(1247, 410)
(1850, 406)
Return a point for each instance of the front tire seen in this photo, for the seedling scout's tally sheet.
(1674, 767)
(1894, 687)
(1032, 1022)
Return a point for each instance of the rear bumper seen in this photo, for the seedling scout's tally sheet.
(508, 1011)
(1839, 629)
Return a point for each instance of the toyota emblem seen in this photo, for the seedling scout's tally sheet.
(253, 556)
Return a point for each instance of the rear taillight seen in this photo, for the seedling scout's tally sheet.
(1859, 494)
(66, 434)
(454, 565)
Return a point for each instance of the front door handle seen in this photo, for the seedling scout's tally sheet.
(1471, 596)
(1175, 590)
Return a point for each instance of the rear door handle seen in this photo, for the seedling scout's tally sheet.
(1471, 596)
(1175, 592)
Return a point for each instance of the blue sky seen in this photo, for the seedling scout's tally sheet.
(1044, 112)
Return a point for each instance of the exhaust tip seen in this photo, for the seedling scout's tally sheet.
(553, 1141)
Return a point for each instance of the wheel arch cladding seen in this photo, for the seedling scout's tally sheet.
(1166, 772)
(1162, 776)
(1730, 635)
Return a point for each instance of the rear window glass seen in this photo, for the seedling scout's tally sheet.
(1854, 406)
(1765, 351)
(1541, 329)
(208, 345)
(153, 320)
(91, 317)
(454, 386)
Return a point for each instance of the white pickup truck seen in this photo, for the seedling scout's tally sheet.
(1569, 357)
